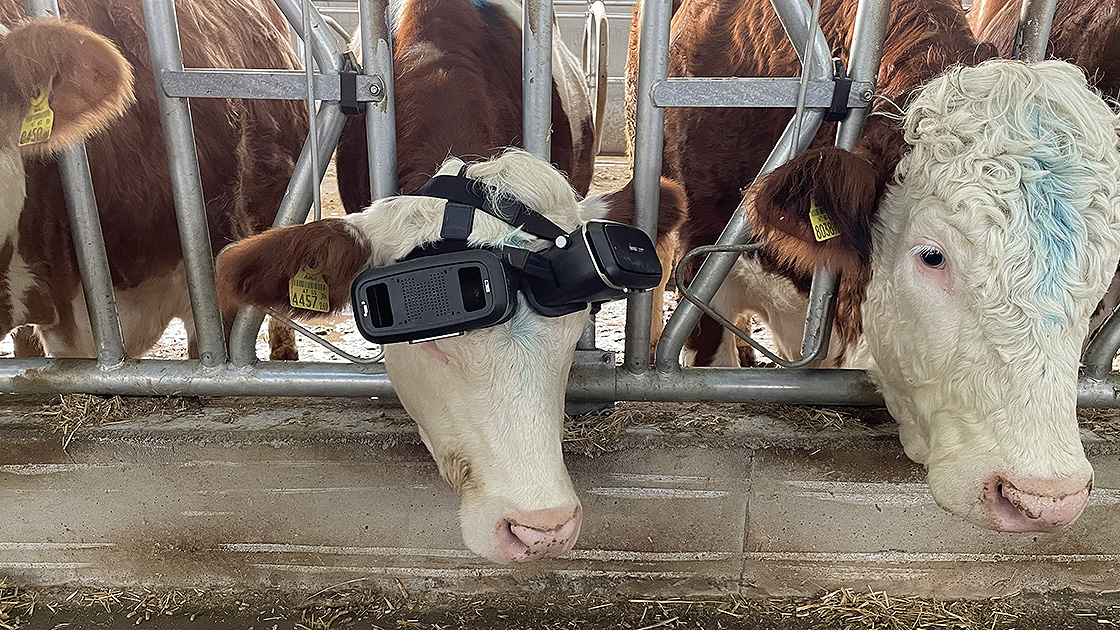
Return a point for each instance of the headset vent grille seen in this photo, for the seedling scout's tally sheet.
(426, 299)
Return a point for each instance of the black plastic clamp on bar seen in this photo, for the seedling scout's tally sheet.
(348, 86)
(842, 88)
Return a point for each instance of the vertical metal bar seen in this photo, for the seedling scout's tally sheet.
(293, 209)
(1102, 348)
(649, 138)
(715, 268)
(89, 242)
(1035, 19)
(186, 183)
(305, 178)
(381, 123)
(868, 35)
(309, 72)
(536, 85)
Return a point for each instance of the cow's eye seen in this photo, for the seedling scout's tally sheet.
(931, 257)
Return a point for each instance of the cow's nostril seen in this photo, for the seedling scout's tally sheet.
(1033, 505)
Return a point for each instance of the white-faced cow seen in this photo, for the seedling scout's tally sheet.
(458, 84)
(494, 422)
(246, 152)
(976, 234)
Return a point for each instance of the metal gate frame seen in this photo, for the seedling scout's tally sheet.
(240, 373)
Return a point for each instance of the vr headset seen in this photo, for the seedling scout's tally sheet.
(448, 287)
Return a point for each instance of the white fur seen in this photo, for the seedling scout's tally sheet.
(492, 398)
(979, 364)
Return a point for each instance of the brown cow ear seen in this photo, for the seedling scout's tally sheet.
(89, 82)
(816, 210)
(258, 270)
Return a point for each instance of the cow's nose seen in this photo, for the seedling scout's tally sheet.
(539, 534)
(1034, 505)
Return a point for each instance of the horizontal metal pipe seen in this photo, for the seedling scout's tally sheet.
(751, 92)
(288, 85)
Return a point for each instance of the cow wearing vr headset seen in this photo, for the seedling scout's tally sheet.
(481, 282)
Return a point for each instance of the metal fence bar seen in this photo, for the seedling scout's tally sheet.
(1035, 19)
(536, 86)
(749, 92)
(301, 191)
(323, 46)
(186, 184)
(649, 141)
(89, 242)
(263, 84)
(715, 268)
(381, 118)
(294, 208)
(869, 33)
(1102, 349)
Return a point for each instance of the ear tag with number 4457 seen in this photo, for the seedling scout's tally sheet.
(308, 290)
(37, 124)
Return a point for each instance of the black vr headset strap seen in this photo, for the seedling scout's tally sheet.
(471, 192)
(529, 262)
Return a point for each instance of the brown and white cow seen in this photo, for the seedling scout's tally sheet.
(977, 231)
(489, 403)
(89, 84)
(246, 152)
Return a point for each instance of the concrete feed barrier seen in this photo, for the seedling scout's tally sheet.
(304, 494)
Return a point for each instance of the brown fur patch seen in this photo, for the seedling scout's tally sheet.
(91, 83)
(1085, 33)
(256, 271)
(672, 207)
(464, 100)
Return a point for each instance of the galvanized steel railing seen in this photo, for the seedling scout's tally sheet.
(596, 381)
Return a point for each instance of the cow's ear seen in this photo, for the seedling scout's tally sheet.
(259, 270)
(89, 81)
(816, 210)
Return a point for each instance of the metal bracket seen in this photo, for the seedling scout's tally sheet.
(266, 84)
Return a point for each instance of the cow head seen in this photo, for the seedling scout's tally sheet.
(994, 231)
(89, 84)
(489, 403)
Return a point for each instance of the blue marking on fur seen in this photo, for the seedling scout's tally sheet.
(1050, 210)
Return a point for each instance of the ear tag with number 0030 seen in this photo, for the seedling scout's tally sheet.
(823, 227)
(37, 124)
(308, 290)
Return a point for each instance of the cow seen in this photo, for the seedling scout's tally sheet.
(458, 91)
(494, 424)
(246, 153)
(88, 84)
(976, 229)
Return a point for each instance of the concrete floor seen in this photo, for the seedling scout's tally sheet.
(304, 494)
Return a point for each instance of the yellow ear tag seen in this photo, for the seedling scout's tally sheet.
(823, 228)
(308, 290)
(37, 124)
